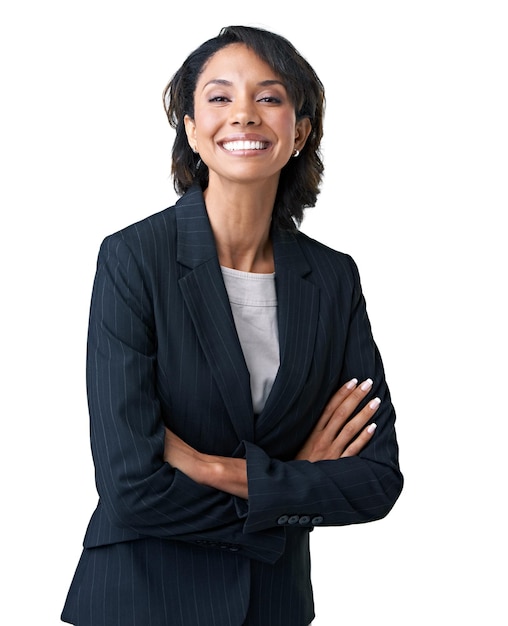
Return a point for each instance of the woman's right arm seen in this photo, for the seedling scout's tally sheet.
(137, 488)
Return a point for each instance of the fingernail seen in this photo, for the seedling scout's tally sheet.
(371, 428)
(374, 403)
(366, 384)
(352, 383)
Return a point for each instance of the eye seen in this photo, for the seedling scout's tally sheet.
(270, 99)
(218, 99)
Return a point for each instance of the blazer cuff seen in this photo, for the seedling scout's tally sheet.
(241, 505)
(275, 494)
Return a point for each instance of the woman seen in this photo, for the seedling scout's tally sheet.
(232, 375)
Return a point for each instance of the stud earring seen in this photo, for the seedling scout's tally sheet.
(295, 153)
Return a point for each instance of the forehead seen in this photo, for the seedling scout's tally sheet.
(235, 61)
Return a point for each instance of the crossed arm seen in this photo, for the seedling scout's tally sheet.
(338, 433)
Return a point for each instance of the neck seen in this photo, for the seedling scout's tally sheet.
(241, 220)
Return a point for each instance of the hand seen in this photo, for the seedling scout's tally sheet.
(337, 434)
(181, 455)
(223, 473)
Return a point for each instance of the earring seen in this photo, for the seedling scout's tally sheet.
(295, 153)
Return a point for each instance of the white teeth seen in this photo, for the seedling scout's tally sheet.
(244, 145)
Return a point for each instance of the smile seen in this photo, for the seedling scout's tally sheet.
(233, 146)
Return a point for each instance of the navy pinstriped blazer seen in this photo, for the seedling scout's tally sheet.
(161, 550)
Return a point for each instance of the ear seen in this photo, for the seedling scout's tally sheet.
(190, 130)
(302, 132)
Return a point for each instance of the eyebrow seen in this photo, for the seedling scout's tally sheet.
(228, 83)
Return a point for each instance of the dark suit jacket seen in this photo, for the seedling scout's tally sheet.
(162, 348)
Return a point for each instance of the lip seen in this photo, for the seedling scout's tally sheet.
(260, 141)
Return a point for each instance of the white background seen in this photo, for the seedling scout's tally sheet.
(416, 155)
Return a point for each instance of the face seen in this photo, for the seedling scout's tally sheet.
(244, 125)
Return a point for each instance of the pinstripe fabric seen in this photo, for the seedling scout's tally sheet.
(161, 550)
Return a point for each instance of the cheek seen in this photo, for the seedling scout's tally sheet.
(287, 124)
(206, 126)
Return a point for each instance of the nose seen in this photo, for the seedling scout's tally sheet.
(243, 112)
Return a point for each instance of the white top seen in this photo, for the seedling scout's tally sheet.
(253, 301)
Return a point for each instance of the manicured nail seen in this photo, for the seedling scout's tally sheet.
(352, 383)
(366, 384)
(371, 428)
(374, 403)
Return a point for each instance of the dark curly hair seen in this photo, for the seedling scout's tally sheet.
(300, 178)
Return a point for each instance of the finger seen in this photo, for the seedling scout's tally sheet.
(335, 401)
(360, 442)
(343, 412)
(350, 432)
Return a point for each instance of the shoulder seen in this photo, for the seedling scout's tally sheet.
(144, 241)
(325, 261)
(150, 231)
(156, 235)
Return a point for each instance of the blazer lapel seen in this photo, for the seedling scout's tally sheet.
(298, 311)
(207, 301)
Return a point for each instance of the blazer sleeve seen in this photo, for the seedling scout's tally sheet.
(138, 490)
(351, 490)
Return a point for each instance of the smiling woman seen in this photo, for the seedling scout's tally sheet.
(244, 128)
(288, 76)
(232, 375)
(230, 112)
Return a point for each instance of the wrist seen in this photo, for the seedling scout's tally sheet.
(224, 473)
(208, 470)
